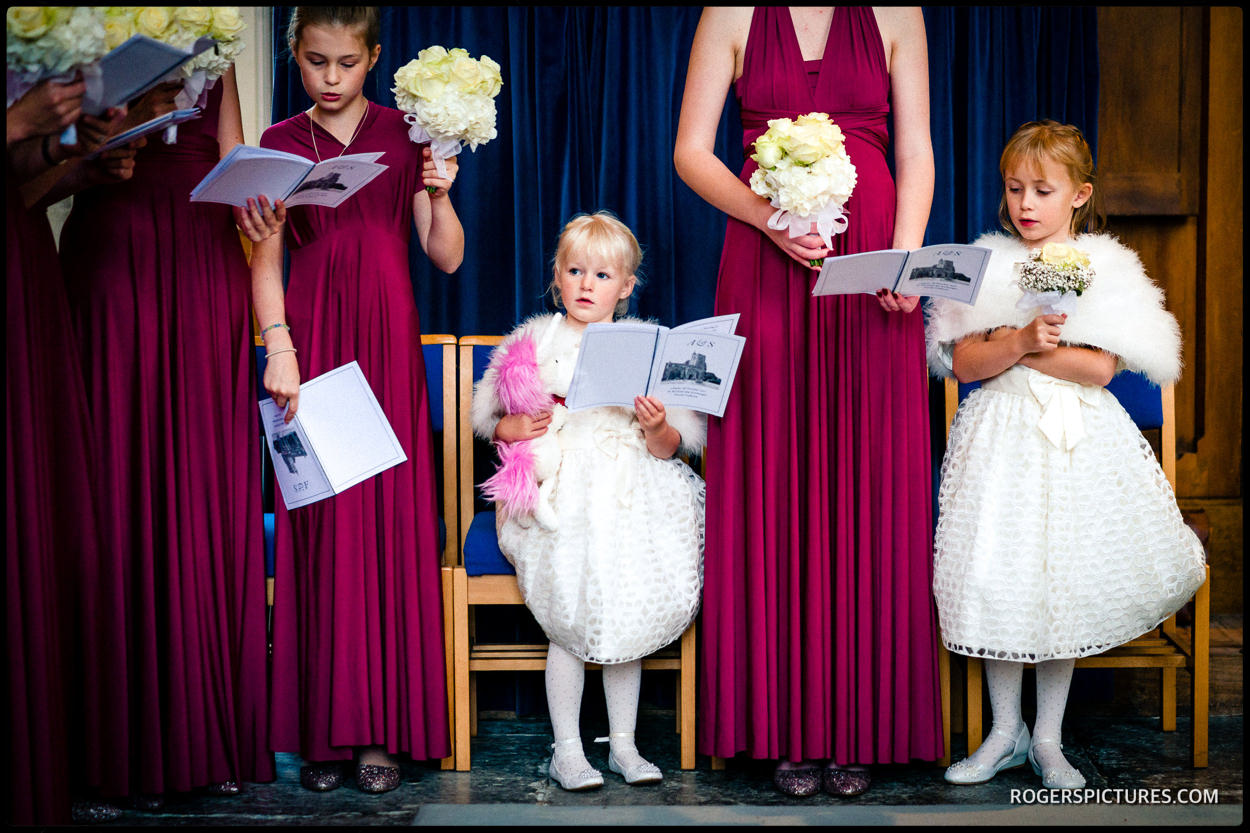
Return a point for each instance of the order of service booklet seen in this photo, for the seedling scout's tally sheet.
(150, 126)
(951, 270)
(248, 171)
(135, 67)
(338, 437)
(690, 366)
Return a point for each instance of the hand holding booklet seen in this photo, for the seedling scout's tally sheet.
(148, 127)
(247, 172)
(950, 270)
(691, 366)
(338, 437)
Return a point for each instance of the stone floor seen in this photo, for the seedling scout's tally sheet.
(1136, 774)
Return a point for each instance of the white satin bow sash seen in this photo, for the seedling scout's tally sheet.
(830, 220)
(1061, 401)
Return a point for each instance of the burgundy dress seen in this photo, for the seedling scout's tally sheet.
(160, 292)
(50, 532)
(358, 624)
(818, 625)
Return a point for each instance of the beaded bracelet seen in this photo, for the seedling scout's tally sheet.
(283, 350)
(274, 326)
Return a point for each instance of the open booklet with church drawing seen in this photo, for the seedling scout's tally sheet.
(338, 437)
(690, 366)
(248, 171)
(949, 270)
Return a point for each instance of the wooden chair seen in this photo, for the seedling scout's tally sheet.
(1163, 648)
(483, 577)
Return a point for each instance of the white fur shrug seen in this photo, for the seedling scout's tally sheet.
(1122, 312)
(556, 358)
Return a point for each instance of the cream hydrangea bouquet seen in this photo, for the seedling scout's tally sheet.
(806, 174)
(184, 27)
(1053, 278)
(448, 98)
(49, 42)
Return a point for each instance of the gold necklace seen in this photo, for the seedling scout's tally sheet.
(313, 134)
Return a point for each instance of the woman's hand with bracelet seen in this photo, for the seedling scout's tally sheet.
(281, 378)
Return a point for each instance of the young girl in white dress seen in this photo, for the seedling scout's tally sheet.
(1058, 535)
(609, 554)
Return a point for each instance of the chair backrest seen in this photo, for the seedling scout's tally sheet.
(475, 352)
(1150, 406)
(439, 354)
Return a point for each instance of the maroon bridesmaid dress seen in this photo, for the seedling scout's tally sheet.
(160, 290)
(358, 628)
(50, 532)
(818, 625)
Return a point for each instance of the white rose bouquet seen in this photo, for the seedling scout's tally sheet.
(1053, 278)
(806, 174)
(49, 42)
(449, 100)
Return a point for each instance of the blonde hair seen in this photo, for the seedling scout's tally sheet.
(601, 235)
(1037, 141)
(366, 20)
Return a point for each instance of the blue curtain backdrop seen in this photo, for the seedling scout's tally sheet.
(587, 118)
(588, 114)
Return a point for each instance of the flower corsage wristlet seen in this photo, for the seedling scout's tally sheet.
(1053, 278)
(806, 174)
(448, 98)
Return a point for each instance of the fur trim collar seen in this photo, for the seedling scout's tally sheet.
(1122, 312)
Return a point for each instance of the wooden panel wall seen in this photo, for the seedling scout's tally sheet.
(1170, 155)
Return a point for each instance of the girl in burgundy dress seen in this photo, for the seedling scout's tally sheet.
(819, 632)
(358, 668)
(175, 624)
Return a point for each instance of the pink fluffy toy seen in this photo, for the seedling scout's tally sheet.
(524, 464)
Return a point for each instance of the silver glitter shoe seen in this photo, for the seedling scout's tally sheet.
(376, 779)
(1066, 777)
(643, 772)
(588, 778)
(967, 772)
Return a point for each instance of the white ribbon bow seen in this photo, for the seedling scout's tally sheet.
(440, 149)
(830, 220)
(1061, 408)
(1051, 302)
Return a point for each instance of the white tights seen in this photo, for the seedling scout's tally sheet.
(1004, 678)
(565, 679)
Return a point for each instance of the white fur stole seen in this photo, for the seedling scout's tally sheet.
(1122, 312)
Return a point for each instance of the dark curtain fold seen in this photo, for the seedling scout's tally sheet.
(587, 119)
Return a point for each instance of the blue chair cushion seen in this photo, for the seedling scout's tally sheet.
(1138, 395)
(482, 556)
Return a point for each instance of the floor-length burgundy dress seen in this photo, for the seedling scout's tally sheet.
(50, 529)
(160, 290)
(819, 630)
(358, 628)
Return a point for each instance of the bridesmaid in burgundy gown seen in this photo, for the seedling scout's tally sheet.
(176, 621)
(818, 626)
(358, 666)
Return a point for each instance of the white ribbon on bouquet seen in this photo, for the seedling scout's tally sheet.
(830, 220)
(440, 149)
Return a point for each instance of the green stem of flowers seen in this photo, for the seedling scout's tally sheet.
(431, 190)
(818, 262)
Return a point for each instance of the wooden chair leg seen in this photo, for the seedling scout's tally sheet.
(460, 637)
(1201, 677)
(1167, 699)
(944, 681)
(974, 704)
(686, 707)
(449, 661)
(718, 763)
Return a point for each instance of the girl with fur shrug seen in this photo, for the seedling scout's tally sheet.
(603, 524)
(1058, 535)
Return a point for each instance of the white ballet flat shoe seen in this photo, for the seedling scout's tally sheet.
(643, 772)
(967, 772)
(1066, 777)
(585, 779)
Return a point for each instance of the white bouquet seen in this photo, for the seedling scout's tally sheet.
(449, 100)
(806, 174)
(1053, 278)
(183, 27)
(49, 42)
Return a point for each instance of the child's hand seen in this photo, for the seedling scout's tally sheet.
(516, 427)
(260, 221)
(1039, 335)
(651, 415)
(430, 177)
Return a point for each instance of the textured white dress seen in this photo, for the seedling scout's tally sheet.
(1058, 535)
(621, 575)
